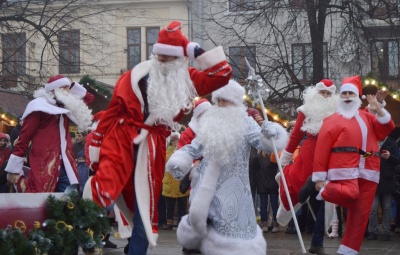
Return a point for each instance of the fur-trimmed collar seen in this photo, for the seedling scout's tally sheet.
(47, 95)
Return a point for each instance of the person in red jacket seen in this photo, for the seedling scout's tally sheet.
(46, 126)
(347, 159)
(5, 151)
(130, 140)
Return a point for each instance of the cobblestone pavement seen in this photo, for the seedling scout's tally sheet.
(278, 244)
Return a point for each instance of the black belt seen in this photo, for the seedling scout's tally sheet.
(365, 154)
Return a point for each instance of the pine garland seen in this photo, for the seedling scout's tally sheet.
(72, 222)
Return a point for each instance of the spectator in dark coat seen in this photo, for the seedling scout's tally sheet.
(386, 188)
(15, 131)
(267, 186)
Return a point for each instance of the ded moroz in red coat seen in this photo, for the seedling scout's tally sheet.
(121, 124)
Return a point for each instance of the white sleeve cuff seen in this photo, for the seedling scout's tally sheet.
(286, 157)
(78, 90)
(15, 164)
(94, 154)
(319, 176)
(211, 58)
(385, 119)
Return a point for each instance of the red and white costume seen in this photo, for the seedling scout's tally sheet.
(46, 126)
(352, 178)
(120, 125)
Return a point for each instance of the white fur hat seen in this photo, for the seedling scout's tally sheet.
(326, 84)
(232, 92)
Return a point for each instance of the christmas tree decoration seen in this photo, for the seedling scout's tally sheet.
(72, 222)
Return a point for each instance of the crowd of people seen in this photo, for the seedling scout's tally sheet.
(211, 180)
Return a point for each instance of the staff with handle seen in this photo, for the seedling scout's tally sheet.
(255, 83)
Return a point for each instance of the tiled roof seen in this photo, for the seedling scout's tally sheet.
(13, 102)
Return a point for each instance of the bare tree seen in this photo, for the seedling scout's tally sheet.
(296, 43)
(37, 35)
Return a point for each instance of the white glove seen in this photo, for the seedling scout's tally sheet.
(268, 129)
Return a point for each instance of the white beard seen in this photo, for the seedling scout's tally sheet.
(316, 108)
(169, 90)
(349, 110)
(79, 110)
(222, 132)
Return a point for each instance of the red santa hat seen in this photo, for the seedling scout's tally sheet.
(232, 92)
(352, 84)
(200, 106)
(326, 84)
(56, 81)
(171, 41)
(3, 136)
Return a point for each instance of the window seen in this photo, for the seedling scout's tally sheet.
(14, 58)
(151, 39)
(384, 9)
(385, 58)
(302, 61)
(69, 43)
(238, 63)
(242, 5)
(133, 47)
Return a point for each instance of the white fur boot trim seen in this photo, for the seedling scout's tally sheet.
(215, 244)
(283, 217)
(187, 237)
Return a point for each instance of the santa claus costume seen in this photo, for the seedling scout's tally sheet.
(306, 129)
(347, 158)
(221, 217)
(46, 124)
(147, 100)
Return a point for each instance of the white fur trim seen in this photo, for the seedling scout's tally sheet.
(186, 235)
(143, 192)
(286, 157)
(87, 190)
(319, 176)
(385, 119)
(283, 217)
(190, 50)
(321, 86)
(122, 211)
(349, 87)
(201, 108)
(278, 178)
(94, 154)
(144, 132)
(343, 249)
(280, 140)
(78, 90)
(41, 104)
(216, 244)
(194, 125)
(232, 92)
(211, 58)
(182, 160)
(15, 164)
(200, 204)
(329, 212)
(169, 50)
(73, 179)
(138, 72)
(57, 84)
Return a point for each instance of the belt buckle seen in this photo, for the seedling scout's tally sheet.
(367, 154)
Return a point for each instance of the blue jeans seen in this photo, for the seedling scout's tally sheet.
(319, 227)
(139, 243)
(264, 205)
(63, 181)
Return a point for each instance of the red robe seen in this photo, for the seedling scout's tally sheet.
(46, 127)
(121, 124)
(297, 173)
(186, 137)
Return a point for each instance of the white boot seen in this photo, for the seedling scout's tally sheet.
(335, 227)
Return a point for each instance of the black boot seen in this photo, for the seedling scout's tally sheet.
(108, 243)
(126, 249)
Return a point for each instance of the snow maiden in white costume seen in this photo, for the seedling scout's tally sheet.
(221, 217)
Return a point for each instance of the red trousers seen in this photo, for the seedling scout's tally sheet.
(357, 196)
